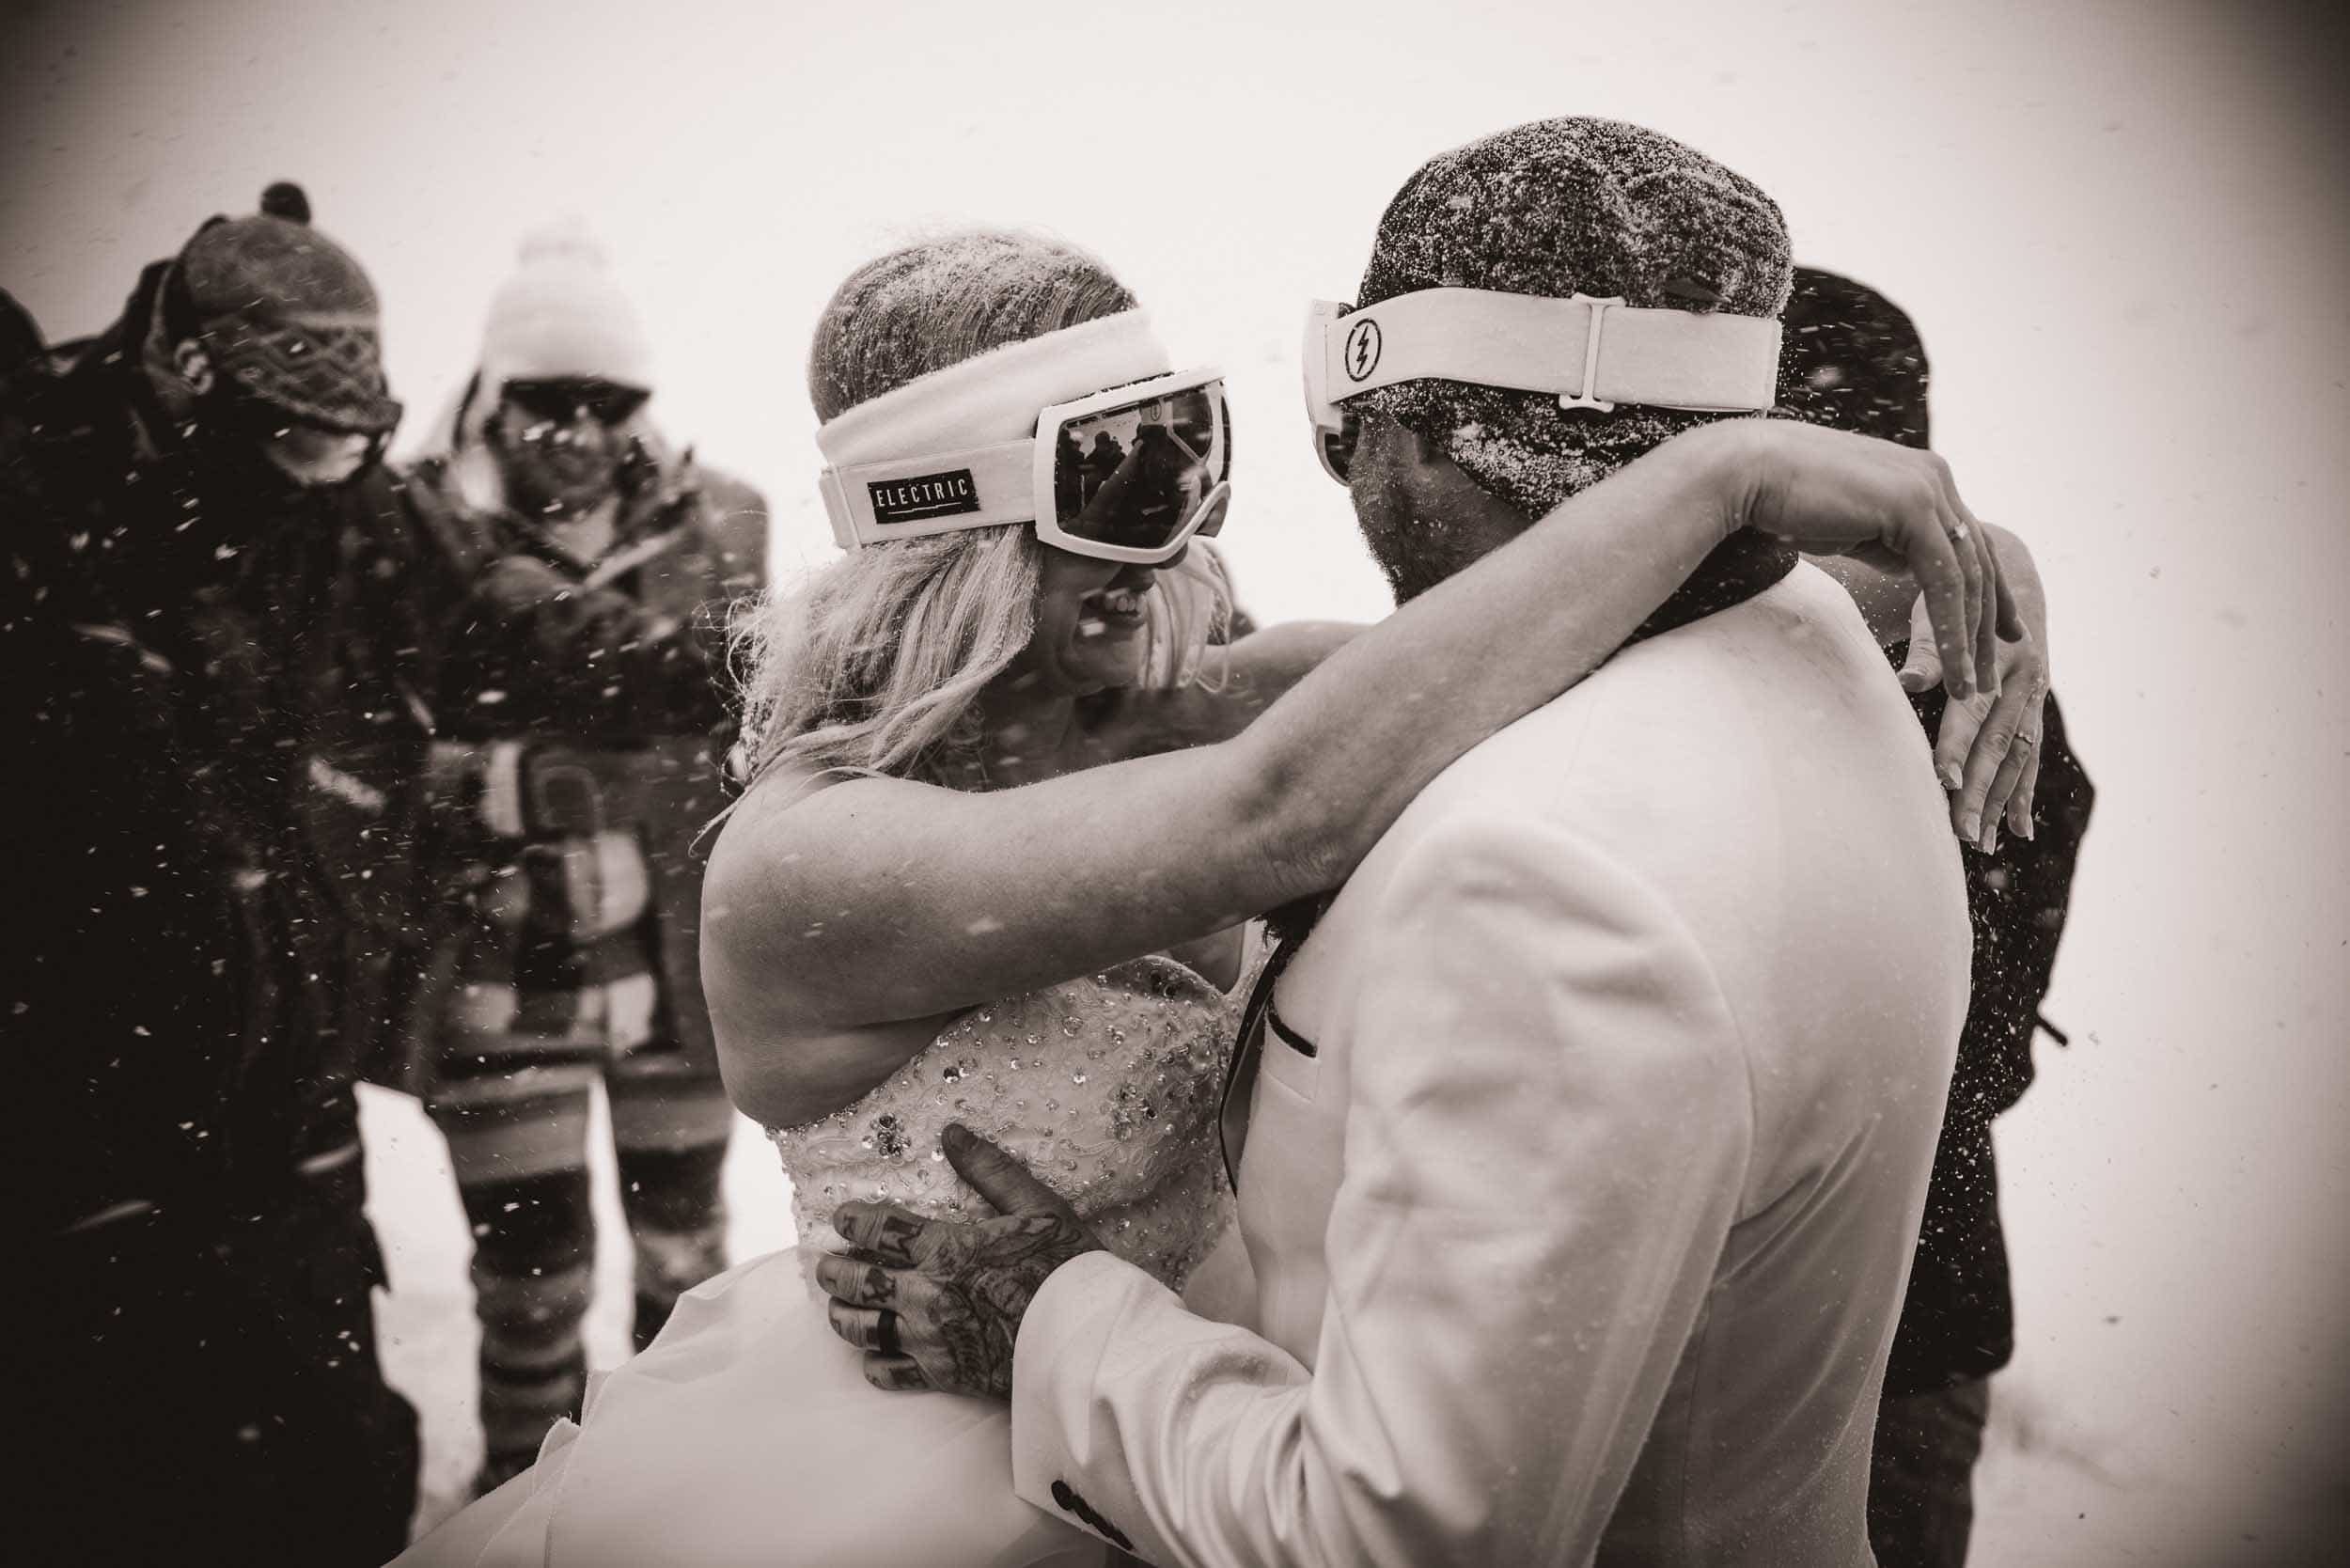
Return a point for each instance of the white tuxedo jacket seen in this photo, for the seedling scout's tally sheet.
(1582, 1232)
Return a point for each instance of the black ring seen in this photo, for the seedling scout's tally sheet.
(885, 1333)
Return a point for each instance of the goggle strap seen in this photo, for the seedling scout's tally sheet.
(996, 395)
(1714, 363)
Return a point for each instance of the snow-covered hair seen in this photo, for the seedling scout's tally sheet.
(1556, 208)
(875, 664)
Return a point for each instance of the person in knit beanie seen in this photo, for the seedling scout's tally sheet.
(228, 630)
(1854, 360)
(567, 842)
(275, 332)
(565, 365)
(217, 647)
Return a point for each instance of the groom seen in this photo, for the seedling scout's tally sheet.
(1591, 1124)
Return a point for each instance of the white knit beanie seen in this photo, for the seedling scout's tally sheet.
(560, 315)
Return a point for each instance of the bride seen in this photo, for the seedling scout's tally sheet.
(1014, 798)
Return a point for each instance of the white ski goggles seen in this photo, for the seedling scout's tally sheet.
(1129, 474)
(1591, 352)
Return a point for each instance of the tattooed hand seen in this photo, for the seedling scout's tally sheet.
(935, 1303)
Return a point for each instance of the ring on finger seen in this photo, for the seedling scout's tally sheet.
(886, 1334)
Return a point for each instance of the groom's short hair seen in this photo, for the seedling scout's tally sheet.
(1556, 208)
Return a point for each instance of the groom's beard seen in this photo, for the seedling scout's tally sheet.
(1425, 550)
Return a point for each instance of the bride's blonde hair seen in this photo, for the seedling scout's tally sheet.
(876, 663)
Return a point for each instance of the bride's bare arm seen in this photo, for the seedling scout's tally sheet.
(878, 902)
(1238, 684)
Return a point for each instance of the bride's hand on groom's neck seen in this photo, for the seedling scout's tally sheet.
(1832, 493)
(1986, 749)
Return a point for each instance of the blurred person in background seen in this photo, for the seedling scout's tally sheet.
(224, 624)
(566, 848)
(20, 334)
(214, 658)
(1854, 360)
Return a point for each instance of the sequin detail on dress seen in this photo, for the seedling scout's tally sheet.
(1106, 1086)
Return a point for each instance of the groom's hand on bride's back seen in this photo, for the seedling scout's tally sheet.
(937, 1303)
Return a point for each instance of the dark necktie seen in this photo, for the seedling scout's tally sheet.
(1239, 1079)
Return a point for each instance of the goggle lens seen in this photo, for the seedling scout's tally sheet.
(1337, 446)
(1135, 475)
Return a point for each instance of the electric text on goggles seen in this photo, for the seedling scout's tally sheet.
(1128, 474)
(1593, 354)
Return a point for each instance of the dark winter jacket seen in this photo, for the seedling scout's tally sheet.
(634, 750)
(224, 690)
(1958, 1320)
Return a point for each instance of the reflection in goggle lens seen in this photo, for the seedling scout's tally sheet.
(1134, 476)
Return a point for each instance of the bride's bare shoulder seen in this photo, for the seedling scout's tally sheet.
(783, 1066)
(760, 832)
(753, 881)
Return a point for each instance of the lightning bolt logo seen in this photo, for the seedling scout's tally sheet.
(1362, 351)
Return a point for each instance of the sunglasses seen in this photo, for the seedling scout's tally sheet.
(569, 399)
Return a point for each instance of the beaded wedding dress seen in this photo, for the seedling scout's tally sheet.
(746, 1432)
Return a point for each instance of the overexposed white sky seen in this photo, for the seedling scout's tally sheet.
(2121, 228)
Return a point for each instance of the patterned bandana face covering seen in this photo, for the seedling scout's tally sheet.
(324, 373)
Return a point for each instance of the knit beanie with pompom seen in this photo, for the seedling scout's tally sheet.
(288, 316)
(561, 317)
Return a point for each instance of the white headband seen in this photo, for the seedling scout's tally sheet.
(996, 395)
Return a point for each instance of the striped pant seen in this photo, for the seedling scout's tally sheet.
(573, 970)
